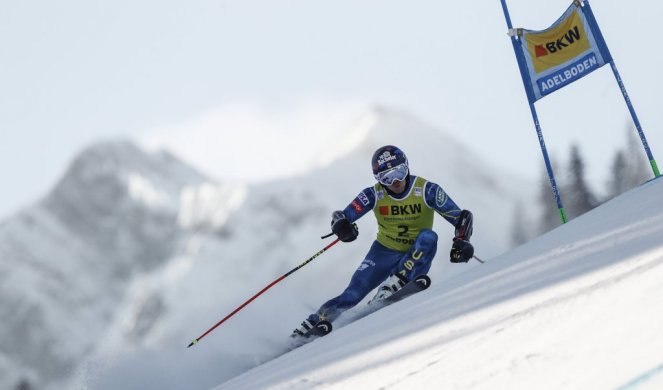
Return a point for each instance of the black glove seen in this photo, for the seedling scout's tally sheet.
(345, 230)
(461, 251)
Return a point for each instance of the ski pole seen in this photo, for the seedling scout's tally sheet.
(478, 259)
(323, 250)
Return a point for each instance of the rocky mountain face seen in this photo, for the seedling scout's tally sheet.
(67, 260)
(132, 250)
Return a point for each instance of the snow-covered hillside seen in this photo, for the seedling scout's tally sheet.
(577, 308)
(68, 260)
(277, 227)
(133, 254)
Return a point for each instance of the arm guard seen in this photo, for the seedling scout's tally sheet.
(464, 225)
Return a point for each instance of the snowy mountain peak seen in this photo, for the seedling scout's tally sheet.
(425, 145)
(125, 201)
(379, 126)
(123, 170)
(115, 214)
(394, 123)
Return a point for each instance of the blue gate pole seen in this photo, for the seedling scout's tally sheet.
(535, 117)
(622, 87)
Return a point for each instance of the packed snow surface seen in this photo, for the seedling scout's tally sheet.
(577, 308)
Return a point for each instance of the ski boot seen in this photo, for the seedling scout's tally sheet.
(390, 286)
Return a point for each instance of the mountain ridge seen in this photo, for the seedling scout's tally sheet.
(74, 250)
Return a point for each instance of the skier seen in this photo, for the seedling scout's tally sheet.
(404, 206)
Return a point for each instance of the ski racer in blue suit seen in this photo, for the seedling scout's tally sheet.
(404, 206)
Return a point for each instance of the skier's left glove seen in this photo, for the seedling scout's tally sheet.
(345, 230)
(461, 251)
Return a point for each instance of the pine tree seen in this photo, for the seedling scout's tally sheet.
(579, 197)
(619, 179)
(23, 384)
(637, 163)
(519, 230)
(630, 167)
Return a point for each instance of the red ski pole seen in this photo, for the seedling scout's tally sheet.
(323, 250)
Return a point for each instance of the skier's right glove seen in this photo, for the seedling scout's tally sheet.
(345, 230)
(461, 251)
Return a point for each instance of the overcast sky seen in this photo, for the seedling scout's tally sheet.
(206, 76)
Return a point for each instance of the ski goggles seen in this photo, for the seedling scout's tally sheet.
(388, 177)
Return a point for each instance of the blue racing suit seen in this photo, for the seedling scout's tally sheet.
(405, 243)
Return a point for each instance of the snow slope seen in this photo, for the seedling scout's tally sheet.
(278, 226)
(577, 308)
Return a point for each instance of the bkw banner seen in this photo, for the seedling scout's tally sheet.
(563, 53)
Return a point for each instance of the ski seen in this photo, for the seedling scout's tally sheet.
(324, 327)
(420, 283)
